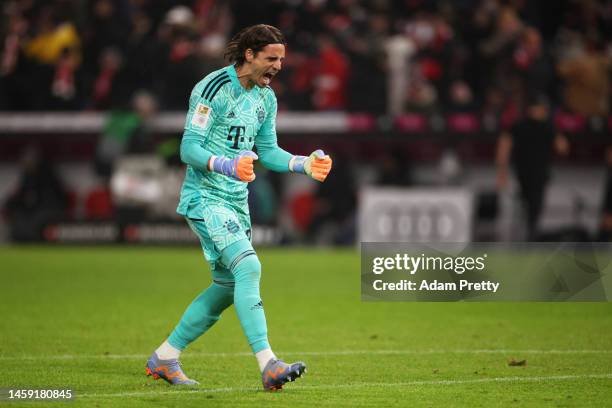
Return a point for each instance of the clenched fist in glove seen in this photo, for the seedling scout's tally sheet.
(317, 165)
(239, 168)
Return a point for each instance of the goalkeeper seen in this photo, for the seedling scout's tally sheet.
(231, 111)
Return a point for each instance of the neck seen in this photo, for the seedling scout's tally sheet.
(243, 73)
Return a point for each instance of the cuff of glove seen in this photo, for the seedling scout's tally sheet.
(220, 164)
(212, 161)
(296, 164)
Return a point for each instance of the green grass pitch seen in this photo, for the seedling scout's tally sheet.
(87, 319)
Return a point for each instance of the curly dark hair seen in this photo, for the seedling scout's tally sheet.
(255, 37)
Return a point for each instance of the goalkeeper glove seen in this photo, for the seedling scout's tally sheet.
(239, 168)
(317, 165)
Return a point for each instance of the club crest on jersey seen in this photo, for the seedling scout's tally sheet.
(231, 226)
(261, 114)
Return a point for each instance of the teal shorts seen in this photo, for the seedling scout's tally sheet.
(219, 228)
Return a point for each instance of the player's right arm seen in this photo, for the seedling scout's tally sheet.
(204, 109)
(192, 152)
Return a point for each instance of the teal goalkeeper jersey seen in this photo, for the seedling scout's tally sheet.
(224, 119)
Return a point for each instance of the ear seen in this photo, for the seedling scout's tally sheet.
(249, 55)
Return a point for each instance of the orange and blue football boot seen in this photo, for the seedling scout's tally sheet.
(277, 373)
(168, 370)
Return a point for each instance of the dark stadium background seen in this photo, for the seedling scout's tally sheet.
(412, 94)
(411, 99)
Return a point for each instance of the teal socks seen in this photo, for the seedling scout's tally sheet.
(206, 309)
(247, 301)
(201, 314)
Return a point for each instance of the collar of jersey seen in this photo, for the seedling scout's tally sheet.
(231, 70)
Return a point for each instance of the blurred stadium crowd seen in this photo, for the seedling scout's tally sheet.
(129, 59)
(369, 56)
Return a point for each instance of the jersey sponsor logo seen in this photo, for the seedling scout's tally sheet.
(261, 114)
(201, 115)
(236, 137)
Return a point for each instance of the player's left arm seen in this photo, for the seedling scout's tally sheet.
(317, 165)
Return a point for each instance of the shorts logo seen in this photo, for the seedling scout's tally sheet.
(231, 226)
(261, 114)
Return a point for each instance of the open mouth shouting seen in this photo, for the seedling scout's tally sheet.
(267, 77)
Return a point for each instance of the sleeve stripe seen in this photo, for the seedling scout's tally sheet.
(217, 89)
(216, 79)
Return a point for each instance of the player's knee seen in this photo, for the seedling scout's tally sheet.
(248, 269)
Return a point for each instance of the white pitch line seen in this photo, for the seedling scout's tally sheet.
(313, 353)
(357, 385)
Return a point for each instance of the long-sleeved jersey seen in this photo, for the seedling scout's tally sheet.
(223, 119)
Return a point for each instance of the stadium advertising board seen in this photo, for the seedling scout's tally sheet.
(415, 215)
